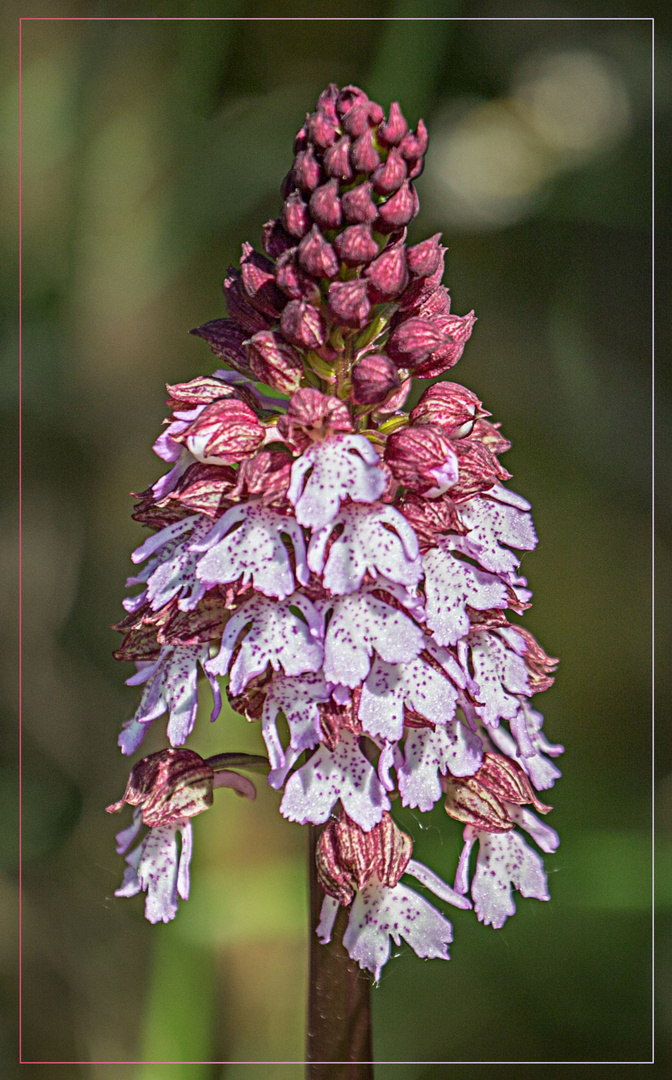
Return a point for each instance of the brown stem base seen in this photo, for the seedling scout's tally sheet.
(339, 997)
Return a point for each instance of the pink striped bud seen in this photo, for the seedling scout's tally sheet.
(327, 102)
(348, 98)
(387, 275)
(469, 801)
(424, 258)
(414, 145)
(363, 155)
(360, 118)
(398, 210)
(431, 517)
(355, 245)
(226, 338)
(224, 432)
(508, 781)
(312, 415)
(302, 325)
(306, 172)
(325, 205)
(479, 470)
(202, 390)
(258, 278)
(268, 473)
(358, 206)
(373, 379)
(337, 160)
(413, 341)
(316, 256)
(390, 176)
(295, 217)
(293, 280)
(170, 785)
(275, 362)
(301, 137)
(321, 129)
(392, 130)
(239, 305)
(347, 857)
(457, 331)
(451, 406)
(422, 459)
(349, 303)
(538, 663)
(275, 240)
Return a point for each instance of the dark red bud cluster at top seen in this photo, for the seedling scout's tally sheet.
(336, 258)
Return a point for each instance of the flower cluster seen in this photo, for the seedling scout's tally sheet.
(345, 564)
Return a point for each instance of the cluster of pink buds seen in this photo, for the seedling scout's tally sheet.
(342, 563)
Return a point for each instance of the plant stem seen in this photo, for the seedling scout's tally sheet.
(339, 997)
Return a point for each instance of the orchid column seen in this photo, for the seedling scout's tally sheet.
(343, 565)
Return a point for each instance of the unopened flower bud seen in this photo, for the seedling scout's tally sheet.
(422, 458)
(170, 785)
(239, 305)
(258, 280)
(348, 98)
(349, 303)
(363, 154)
(508, 781)
(335, 879)
(295, 217)
(373, 379)
(301, 137)
(325, 205)
(424, 258)
(387, 275)
(431, 517)
(312, 415)
(316, 256)
(275, 362)
(360, 118)
(469, 801)
(306, 173)
(327, 102)
(275, 240)
(347, 857)
(392, 130)
(451, 406)
(226, 338)
(457, 330)
(357, 204)
(224, 432)
(321, 129)
(414, 145)
(389, 176)
(414, 340)
(398, 210)
(302, 325)
(355, 245)
(337, 160)
(293, 280)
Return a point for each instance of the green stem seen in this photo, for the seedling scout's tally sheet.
(339, 997)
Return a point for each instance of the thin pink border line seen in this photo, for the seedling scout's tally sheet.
(328, 18)
(20, 563)
(196, 18)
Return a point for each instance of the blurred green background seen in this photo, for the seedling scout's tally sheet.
(151, 150)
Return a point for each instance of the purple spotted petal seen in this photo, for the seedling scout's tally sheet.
(391, 686)
(247, 543)
(492, 524)
(343, 773)
(542, 834)
(172, 570)
(380, 914)
(340, 467)
(170, 686)
(451, 585)
(500, 674)
(375, 538)
(451, 748)
(155, 868)
(298, 699)
(272, 634)
(505, 862)
(526, 743)
(360, 624)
